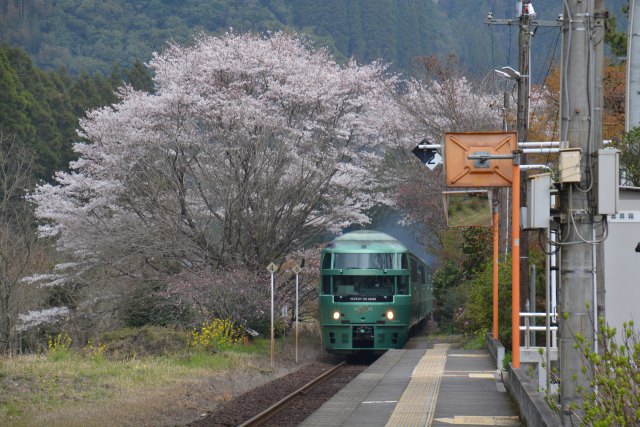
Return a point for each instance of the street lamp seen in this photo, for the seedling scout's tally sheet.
(511, 73)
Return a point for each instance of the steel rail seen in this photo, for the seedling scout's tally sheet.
(262, 416)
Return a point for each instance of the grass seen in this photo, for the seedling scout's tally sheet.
(67, 387)
(474, 342)
(33, 384)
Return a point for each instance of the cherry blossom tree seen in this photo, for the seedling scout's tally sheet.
(249, 147)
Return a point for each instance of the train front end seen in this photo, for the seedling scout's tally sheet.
(365, 303)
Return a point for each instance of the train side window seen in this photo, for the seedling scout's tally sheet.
(404, 261)
(326, 261)
(403, 285)
(421, 274)
(414, 270)
(326, 284)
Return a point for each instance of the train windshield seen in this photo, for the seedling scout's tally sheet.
(365, 286)
(378, 261)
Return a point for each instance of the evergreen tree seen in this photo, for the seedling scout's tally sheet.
(139, 77)
(14, 101)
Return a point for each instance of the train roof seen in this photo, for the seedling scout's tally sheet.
(368, 241)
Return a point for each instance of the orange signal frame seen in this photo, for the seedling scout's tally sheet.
(462, 172)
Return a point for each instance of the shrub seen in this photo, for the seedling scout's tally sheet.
(613, 397)
(94, 351)
(151, 305)
(59, 345)
(479, 303)
(146, 341)
(217, 335)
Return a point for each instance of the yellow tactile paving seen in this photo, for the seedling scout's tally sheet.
(417, 404)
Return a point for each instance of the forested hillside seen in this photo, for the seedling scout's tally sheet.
(41, 108)
(93, 35)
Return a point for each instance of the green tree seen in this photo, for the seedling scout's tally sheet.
(467, 252)
(479, 302)
(617, 40)
(14, 100)
(613, 395)
(41, 108)
(47, 116)
(139, 77)
(629, 145)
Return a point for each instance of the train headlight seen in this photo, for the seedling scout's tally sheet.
(390, 315)
(336, 315)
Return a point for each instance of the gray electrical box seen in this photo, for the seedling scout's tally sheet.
(538, 202)
(608, 193)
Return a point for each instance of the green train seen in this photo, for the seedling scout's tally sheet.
(374, 293)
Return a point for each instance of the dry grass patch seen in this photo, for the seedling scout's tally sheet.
(69, 388)
(35, 390)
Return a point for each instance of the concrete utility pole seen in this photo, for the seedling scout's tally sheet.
(600, 15)
(580, 128)
(524, 100)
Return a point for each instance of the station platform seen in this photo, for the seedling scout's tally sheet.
(424, 384)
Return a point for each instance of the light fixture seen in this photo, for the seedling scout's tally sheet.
(511, 73)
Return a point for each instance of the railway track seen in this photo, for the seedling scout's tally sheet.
(268, 413)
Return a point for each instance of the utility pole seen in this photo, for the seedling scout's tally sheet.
(524, 64)
(526, 21)
(600, 15)
(580, 128)
(524, 100)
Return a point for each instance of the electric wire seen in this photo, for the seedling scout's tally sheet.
(572, 222)
(591, 109)
(548, 60)
(542, 233)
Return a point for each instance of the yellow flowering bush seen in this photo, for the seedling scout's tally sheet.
(94, 351)
(59, 343)
(217, 334)
(59, 346)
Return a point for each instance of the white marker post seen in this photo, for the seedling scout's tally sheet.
(297, 270)
(271, 268)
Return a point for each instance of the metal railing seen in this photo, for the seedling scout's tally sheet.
(530, 328)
